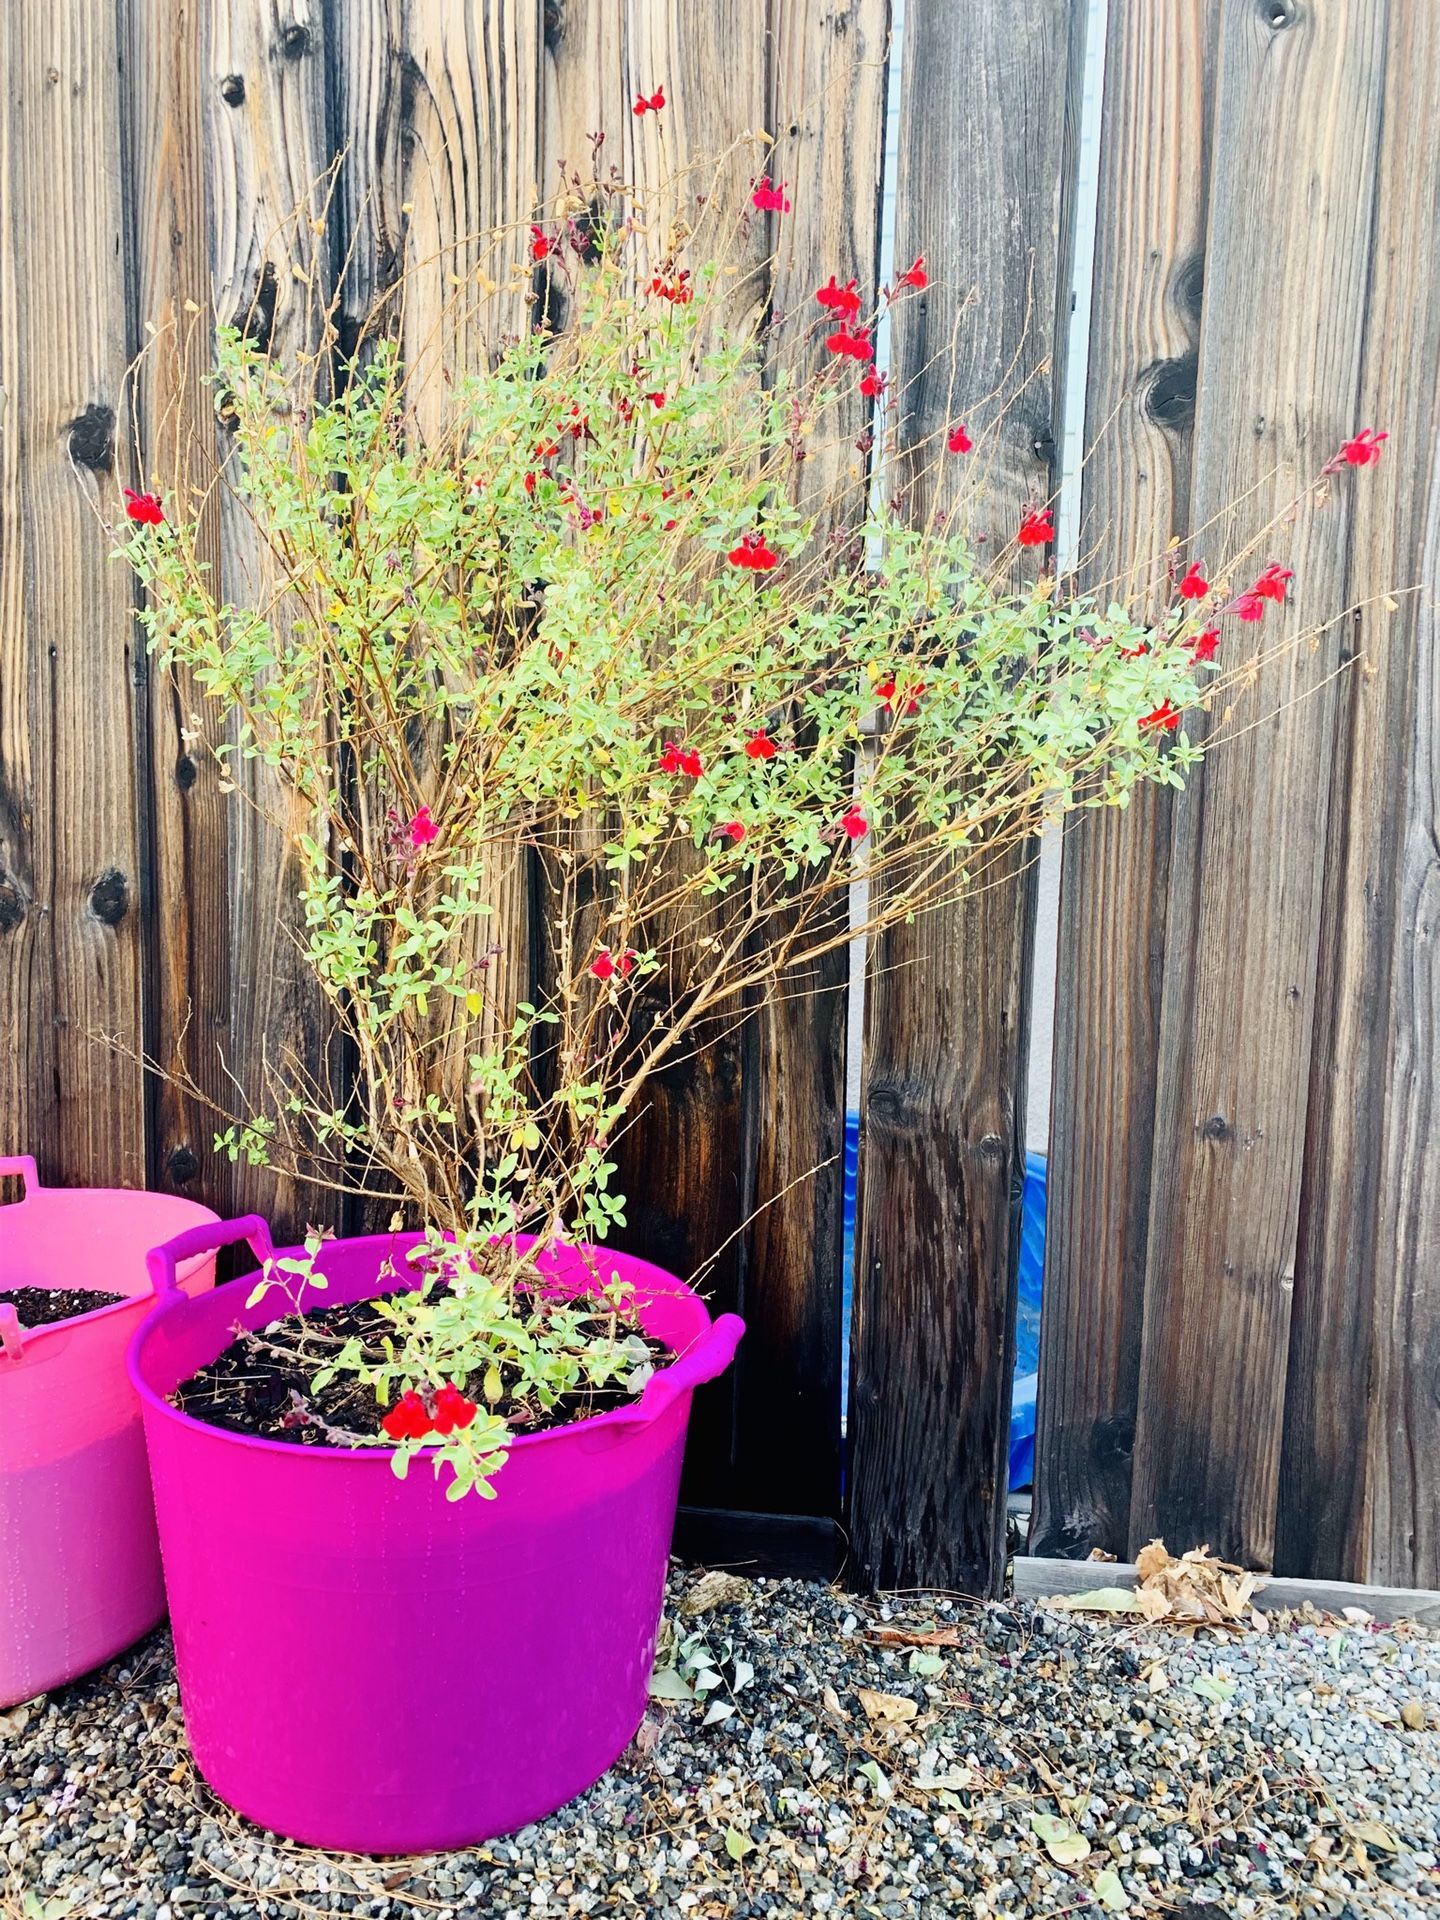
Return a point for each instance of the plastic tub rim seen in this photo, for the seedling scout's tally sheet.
(383, 1455)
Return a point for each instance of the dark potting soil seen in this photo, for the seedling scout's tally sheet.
(43, 1306)
(261, 1385)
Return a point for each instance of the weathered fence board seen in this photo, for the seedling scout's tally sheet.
(1279, 902)
(827, 111)
(1140, 410)
(187, 900)
(981, 189)
(1247, 860)
(1361, 1459)
(70, 866)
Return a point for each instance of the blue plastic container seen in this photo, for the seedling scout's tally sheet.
(1027, 1313)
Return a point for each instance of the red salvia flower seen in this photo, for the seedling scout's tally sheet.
(769, 198)
(753, 553)
(1166, 717)
(874, 384)
(423, 829)
(885, 690)
(915, 276)
(842, 300)
(529, 483)
(853, 342)
(853, 824)
(1194, 586)
(1036, 530)
(677, 290)
(730, 830)
(653, 105)
(144, 508)
(606, 964)
(1203, 646)
(760, 746)
(1248, 606)
(541, 245)
(1134, 653)
(452, 1409)
(959, 441)
(1273, 581)
(1364, 449)
(678, 759)
(407, 1419)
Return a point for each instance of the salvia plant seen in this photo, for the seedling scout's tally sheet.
(626, 622)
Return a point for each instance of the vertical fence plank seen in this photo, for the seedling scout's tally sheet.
(1298, 103)
(266, 156)
(981, 193)
(827, 76)
(164, 80)
(70, 932)
(1361, 1456)
(683, 1165)
(437, 117)
(1140, 410)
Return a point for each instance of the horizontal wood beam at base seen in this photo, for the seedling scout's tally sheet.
(781, 1545)
(1036, 1578)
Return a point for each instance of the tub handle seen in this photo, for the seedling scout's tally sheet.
(24, 1165)
(208, 1237)
(12, 1340)
(709, 1356)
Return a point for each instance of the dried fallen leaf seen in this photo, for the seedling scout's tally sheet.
(1063, 1843)
(830, 1701)
(1373, 1833)
(887, 1708)
(1151, 1560)
(1413, 1715)
(912, 1637)
(714, 1590)
(953, 1780)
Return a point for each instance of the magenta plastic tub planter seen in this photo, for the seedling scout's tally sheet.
(368, 1666)
(79, 1563)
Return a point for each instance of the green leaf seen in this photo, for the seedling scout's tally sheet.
(736, 1844)
(1109, 1892)
(926, 1664)
(1101, 1600)
(667, 1684)
(1218, 1687)
(1063, 1843)
(871, 1771)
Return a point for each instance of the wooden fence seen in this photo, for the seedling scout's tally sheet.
(1242, 1329)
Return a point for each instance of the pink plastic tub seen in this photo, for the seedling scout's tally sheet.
(367, 1666)
(79, 1565)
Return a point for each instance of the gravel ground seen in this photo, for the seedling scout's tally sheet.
(1044, 1763)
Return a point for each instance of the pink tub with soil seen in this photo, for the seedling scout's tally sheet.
(79, 1563)
(367, 1666)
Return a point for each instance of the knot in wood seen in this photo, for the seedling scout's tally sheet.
(110, 897)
